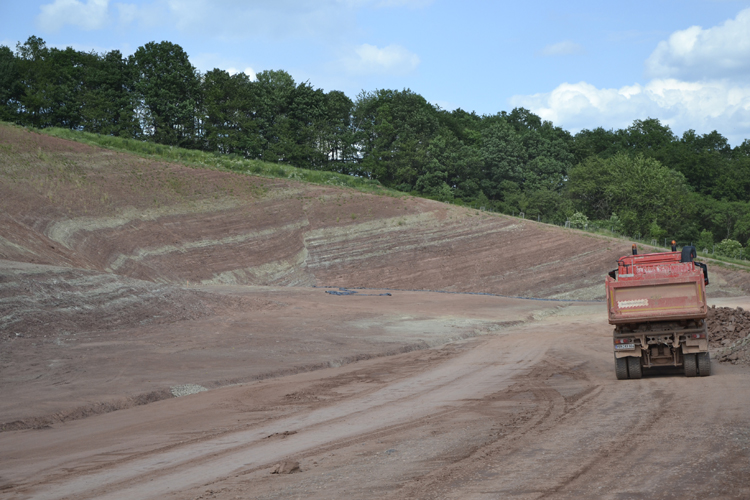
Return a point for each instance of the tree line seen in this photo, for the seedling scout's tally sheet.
(643, 180)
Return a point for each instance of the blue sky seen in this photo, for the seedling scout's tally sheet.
(580, 64)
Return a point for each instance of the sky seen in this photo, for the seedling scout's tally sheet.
(579, 64)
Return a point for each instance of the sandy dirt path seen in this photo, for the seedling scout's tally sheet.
(533, 411)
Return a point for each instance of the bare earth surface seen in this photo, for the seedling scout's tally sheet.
(125, 282)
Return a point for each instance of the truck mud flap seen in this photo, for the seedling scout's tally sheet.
(692, 346)
(634, 353)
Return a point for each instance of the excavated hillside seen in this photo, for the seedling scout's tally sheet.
(74, 206)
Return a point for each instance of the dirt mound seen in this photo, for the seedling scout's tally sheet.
(729, 333)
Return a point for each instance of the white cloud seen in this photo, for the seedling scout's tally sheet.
(704, 106)
(697, 54)
(564, 48)
(92, 15)
(369, 59)
(699, 82)
(205, 62)
(248, 71)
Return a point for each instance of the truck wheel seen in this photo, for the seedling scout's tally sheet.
(621, 368)
(634, 367)
(704, 364)
(690, 364)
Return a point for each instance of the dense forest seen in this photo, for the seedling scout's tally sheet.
(643, 181)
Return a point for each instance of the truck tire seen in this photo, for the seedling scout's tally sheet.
(621, 368)
(690, 364)
(634, 367)
(704, 364)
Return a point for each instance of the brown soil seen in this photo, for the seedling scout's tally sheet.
(729, 333)
(126, 281)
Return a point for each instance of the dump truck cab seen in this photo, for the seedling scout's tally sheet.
(657, 304)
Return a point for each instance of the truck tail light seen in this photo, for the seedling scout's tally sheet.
(697, 336)
(623, 341)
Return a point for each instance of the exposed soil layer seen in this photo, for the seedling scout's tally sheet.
(225, 335)
(39, 301)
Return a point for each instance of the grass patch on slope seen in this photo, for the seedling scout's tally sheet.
(202, 159)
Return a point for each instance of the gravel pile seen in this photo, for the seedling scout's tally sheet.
(729, 334)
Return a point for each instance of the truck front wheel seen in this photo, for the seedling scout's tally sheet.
(621, 368)
(634, 367)
(690, 364)
(704, 364)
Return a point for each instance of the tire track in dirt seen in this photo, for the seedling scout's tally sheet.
(474, 373)
(604, 439)
(550, 407)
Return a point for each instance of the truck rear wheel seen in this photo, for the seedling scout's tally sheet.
(704, 364)
(621, 368)
(634, 367)
(690, 364)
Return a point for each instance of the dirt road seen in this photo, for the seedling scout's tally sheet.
(530, 411)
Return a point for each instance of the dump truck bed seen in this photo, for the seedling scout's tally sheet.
(655, 287)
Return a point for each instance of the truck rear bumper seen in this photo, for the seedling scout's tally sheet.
(659, 345)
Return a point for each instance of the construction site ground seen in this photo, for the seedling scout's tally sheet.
(168, 332)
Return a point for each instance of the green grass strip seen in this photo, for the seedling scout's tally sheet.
(216, 161)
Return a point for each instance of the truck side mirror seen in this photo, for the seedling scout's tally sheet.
(688, 254)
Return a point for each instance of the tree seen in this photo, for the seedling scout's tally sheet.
(504, 158)
(729, 248)
(306, 123)
(228, 114)
(274, 91)
(336, 137)
(699, 158)
(579, 220)
(597, 142)
(393, 130)
(10, 88)
(655, 231)
(648, 136)
(705, 241)
(49, 81)
(742, 227)
(523, 120)
(466, 127)
(432, 182)
(548, 160)
(639, 189)
(105, 97)
(167, 93)
(454, 163)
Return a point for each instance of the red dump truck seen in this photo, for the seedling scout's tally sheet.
(657, 303)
